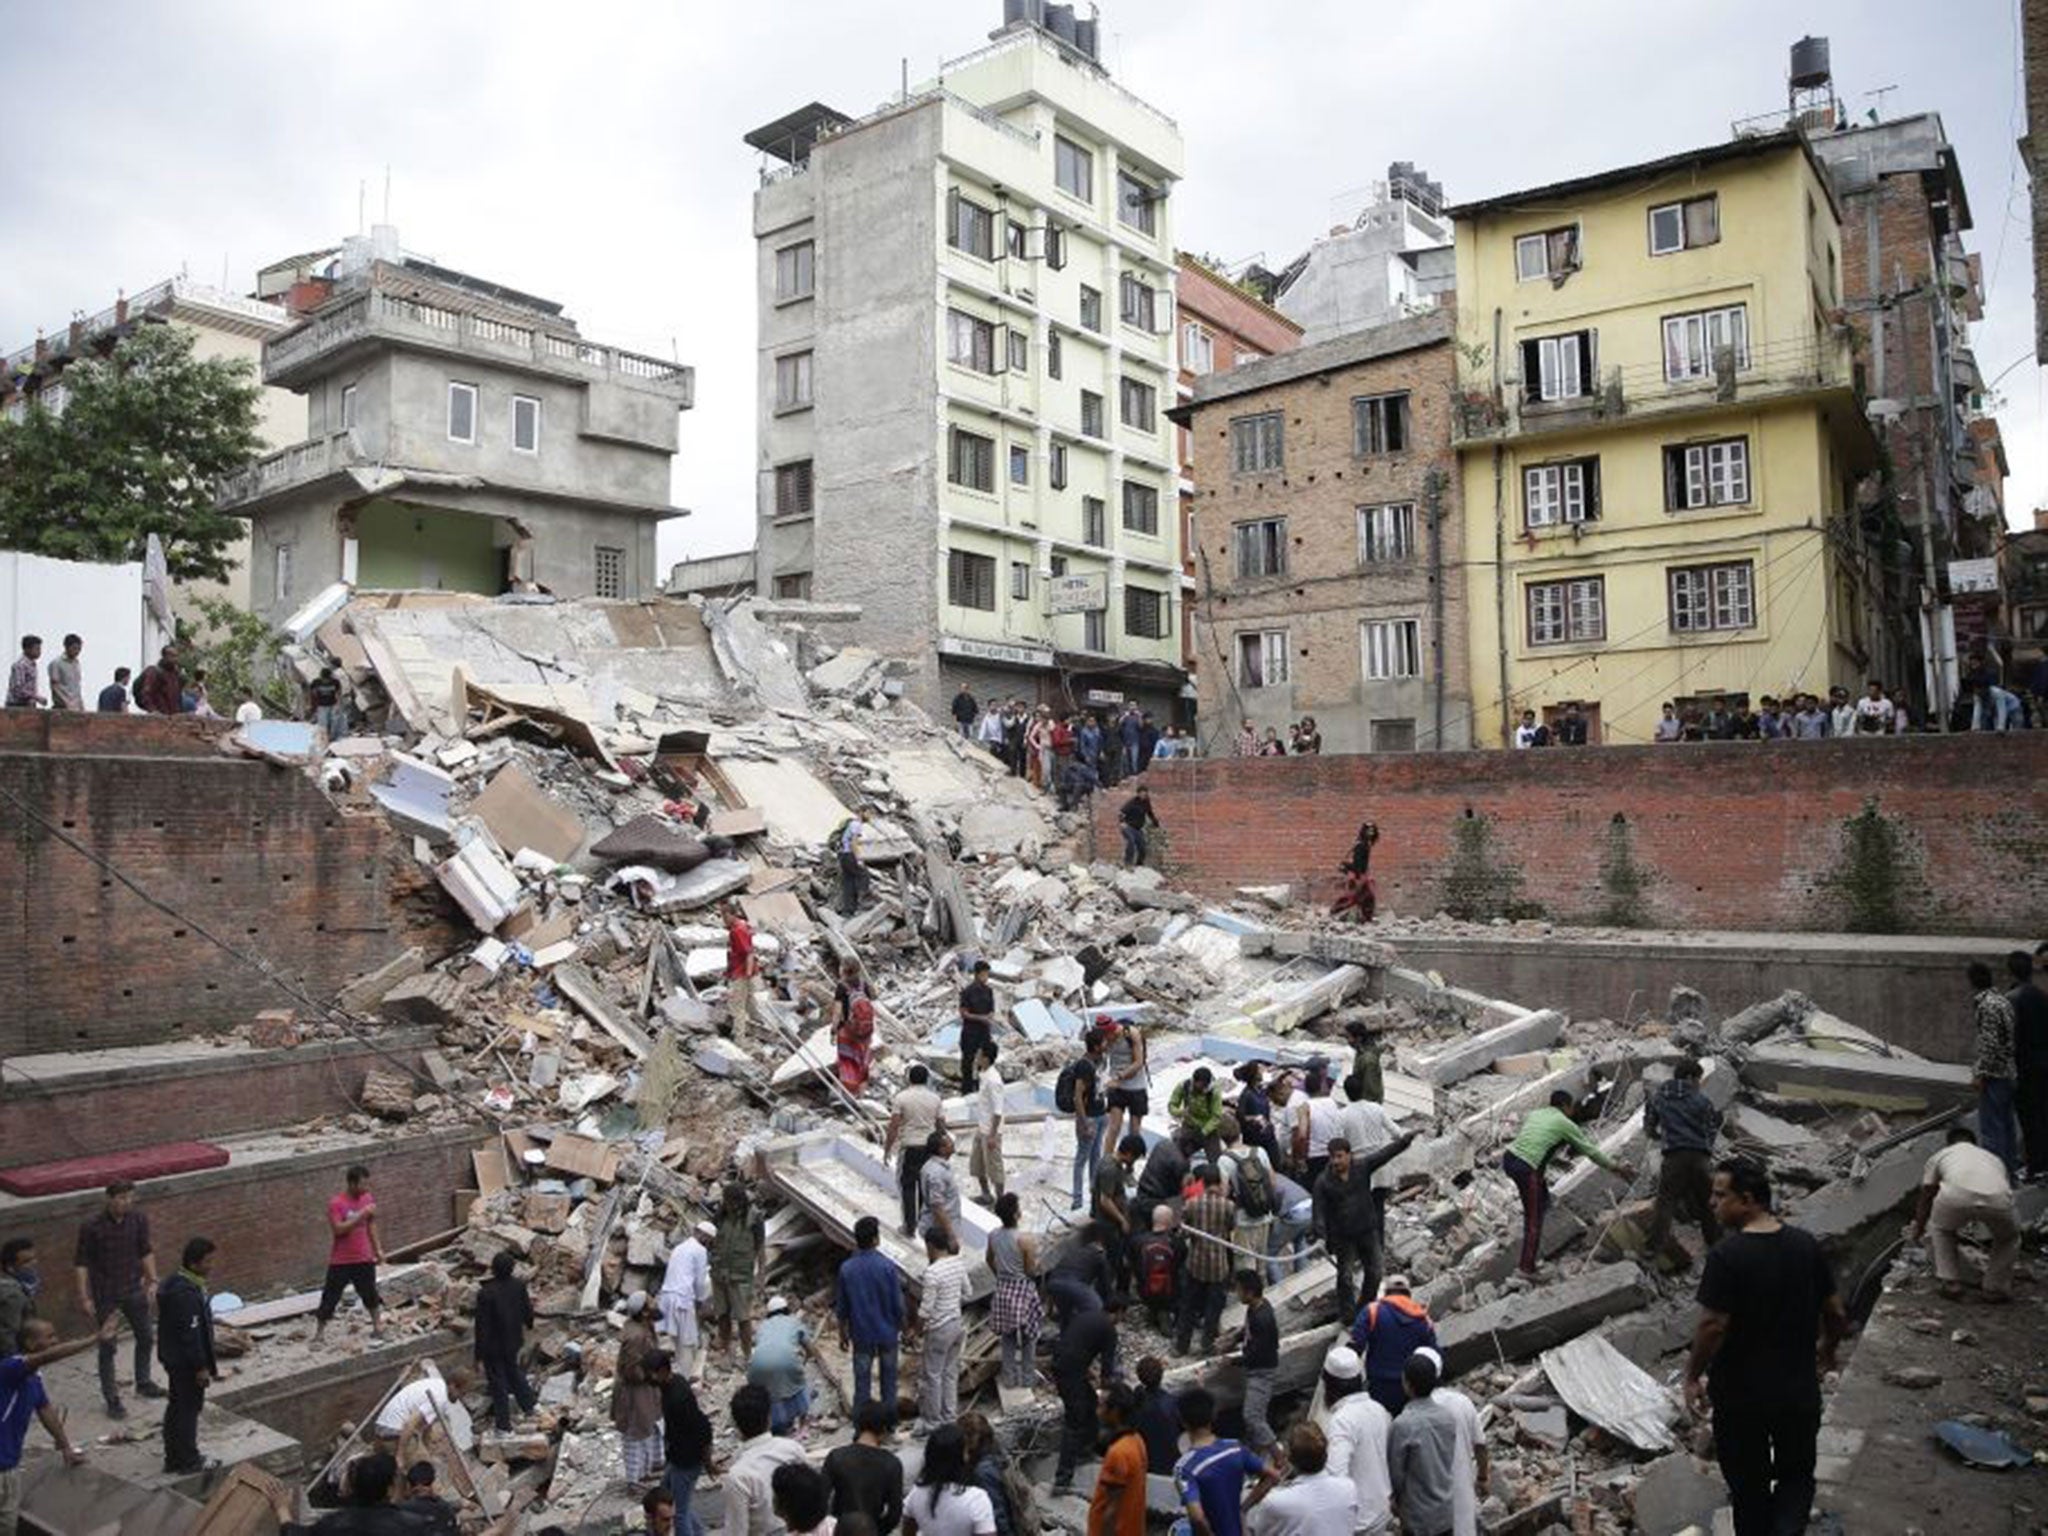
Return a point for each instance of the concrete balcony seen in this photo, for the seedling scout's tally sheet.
(289, 468)
(1802, 368)
(308, 351)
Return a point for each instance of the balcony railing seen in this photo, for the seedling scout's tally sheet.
(300, 464)
(374, 312)
(1803, 365)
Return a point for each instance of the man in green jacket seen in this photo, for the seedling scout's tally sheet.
(1546, 1131)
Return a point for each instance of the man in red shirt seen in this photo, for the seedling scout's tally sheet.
(740, 970)
(353, 1260)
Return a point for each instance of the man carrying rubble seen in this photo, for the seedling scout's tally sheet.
(1544, 1133)
(1964, 1183)
(1683, 1121)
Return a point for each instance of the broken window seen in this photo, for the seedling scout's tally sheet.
(1564, 612)
(1547, 253)
(1386, 533)
(794, 587)
(1710, 597)
(1706, 475)
(1257, 443)
(1681, 226)
(1379, 424)
(1262, 658)
(1392, 648)
(1262, 547)
(1557, 494)
(970, 580)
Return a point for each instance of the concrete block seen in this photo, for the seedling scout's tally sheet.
(1676, 1494)
(1522, 1064)
(1852, 1077)
(1839, 1211)
(1767, 1017)
(1456, 1062)
(1344, 948)
(359, 995)
(1529, 1322)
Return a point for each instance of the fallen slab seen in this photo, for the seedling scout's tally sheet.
(371, 987)
(1843, 1210)
(1527, 1322)
(1599, 1383)
(1677, 1494)
(581, 988)
(1885, 1083)
(1760, 1019)
(1337, 948)
(1531, 1032)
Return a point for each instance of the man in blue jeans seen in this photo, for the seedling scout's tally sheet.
(1993, 1068)
(867, 1298)
(686, 1438)
(1136, 815)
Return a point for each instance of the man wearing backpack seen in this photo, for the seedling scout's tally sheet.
(1249, 1178)
(1155, 1269)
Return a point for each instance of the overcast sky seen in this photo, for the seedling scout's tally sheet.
(592, 153)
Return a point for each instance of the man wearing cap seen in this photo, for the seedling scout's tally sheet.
(1422, 1452)
(1357, 1428)
(867, 1298)
(685, 1287)
(1682, 1120)
(1386, 1333)
(777, 1364)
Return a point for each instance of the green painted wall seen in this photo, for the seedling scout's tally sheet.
(410, 548)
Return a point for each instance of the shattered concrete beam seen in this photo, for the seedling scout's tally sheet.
(1418, 987)
(1316, 997)
(1337, 948)
(1529, 1322)
(1503, 1117)
(1841, 1209)
(581, 988)
(1767, 1017)
(367, 990)
(1589, 1190)
(1850, 1077)
(1301, 1366)
(1531, 1032)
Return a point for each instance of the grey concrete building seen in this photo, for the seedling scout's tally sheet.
(966, 352)
(462, 436)
(1395, 259)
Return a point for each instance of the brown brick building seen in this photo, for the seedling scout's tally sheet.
(1328, 545)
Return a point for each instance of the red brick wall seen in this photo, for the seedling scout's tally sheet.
(268, 1218)
(1738, 835)
(254, 854)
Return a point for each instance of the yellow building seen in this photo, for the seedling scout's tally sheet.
(1661, 441)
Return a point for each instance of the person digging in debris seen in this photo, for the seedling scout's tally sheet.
(1137, 814)
(1683, 1121)
(1770, 1322)
(738, 1255)
(1543, 1134)
(685, 1288)
(356, 1252)
(1359, 896)
(1962, 1184)
(777, 1363)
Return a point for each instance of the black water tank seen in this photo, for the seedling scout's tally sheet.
(1810, 62)
(1059, 21)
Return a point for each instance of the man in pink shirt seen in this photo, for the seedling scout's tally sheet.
(353, 1260)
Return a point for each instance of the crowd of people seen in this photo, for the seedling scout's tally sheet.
(1303, 740)
(164, 688)
(1072, 754)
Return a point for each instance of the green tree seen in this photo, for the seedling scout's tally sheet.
(148, 435)
(241, 657)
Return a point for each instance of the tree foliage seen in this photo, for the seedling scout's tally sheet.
(147, 436)
(240, 655)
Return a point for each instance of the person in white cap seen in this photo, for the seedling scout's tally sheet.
(1357, 1429)
(777, 1364)
(1422, 1452)
(1469, 1470)
(685, 1287)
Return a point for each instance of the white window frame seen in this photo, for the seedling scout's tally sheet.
(1379, 410)
(1706, 599)
(1137, 303)
(1197, 348)
(1560, 367)
(348, 407)
(1714, 474)
(1090, 298)
(1386, 533)
(459, 391)
(1068, 156)
(1691, 342)
(1571, 612)
(281, 572)
(1681, 211)
(1101, 415)
(1258, 443)
(1056, 466)
(1149, 524)
(1020, 581)
(1019, 349)
(796, 271)
(1539, 242)
(1262, 656)
(1390, 649)
(1095, 522)
(960, 589)
(1558, 495)
(793, 381)
(517, 402)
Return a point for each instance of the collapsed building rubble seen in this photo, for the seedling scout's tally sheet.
(589, 782)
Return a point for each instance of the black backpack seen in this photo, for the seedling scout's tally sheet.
(1066, 1088)
(1254, 1187)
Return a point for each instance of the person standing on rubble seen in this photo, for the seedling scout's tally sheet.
(636, 1396)
(2030, 1061)
(685, 1288)
(867, 1298)
(1770, 1322)
(1422, 1452)
(1683, 1121)
(864, 1474)
(504, 1311)
(964, 711)
(985, 1158)
(1078, 1092)
(1356, 1423)
(1136, 815)
(912, 1119)
(1347, 1219)
(1209, 1220)
(1087, 1340)
(115, 1266)
(686, 1437)
(1130, 735)
(1366, 1125)
(1994, 1067)
(1013, 738)
(942, 1296)
(853, 870)
(989, 734)
(1385, 1334)
(354, 1254)
(977, 1021)
(1259, 1358)
(184, 1348)
(323, 697)
(738, 1255)
(1210, 1478)
(938, 1190)
(1544, 1133)
(741, 967)
(1129, 1078)
(1017, 1314)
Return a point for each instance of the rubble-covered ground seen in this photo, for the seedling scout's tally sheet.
(587, 781)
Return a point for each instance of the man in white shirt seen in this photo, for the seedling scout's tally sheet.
(941, 1298)
(749, 1492)
(1313, 1501)
(1841, 713)
(685, 1287)
(1469, 1467)
(1368, 1127)
(985, 1161)
(420, 1403)
(1874, 712)
(1964, 1183)
(1357, 1431)
(912, 1119)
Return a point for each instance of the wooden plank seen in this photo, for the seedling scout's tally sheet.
(248, 1502)
(492, 1173)
(581, 988)
(583, 1157)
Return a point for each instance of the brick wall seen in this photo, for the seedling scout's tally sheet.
(269, 1218)
(1736, 835)
(254, 854)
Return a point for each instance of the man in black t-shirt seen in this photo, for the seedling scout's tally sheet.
(866, 1478)
(977, 1023)
(1770, 1321)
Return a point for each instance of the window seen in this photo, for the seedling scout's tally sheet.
(1094, 522)
(1393, 735)
(1056, 469)
(1091, 415)
(1558, 367)
(1548, 253)
(1379, 424)
(1020, 581)
(1695, 345)
(525, 424)
(1091, 308)
(1058, 565)
(1555, 494)
(1020, 351)
(348, 407)
(796, 587)
(1262, 658)
(462, 413)
(1197, 349)
(1144, 613)
(1095, 630)
(1708, 597)
(1681, 226)
(1014, 240)
(1073, 169)
(611, 571)
(793, 381)
(1141, 507)
(1564, 611)
(1055, 358)
(1136, 302)
(793, 489)
(970, 342)
(1138, 405)
(1137, 204)
(1262, 547)
(1392, 648)
(795, 271)
(1257, 443)
(970, 580)
(281, 572)
(1386, 533)
(1055, 247)
(1706, 475)
(971, 227)
(971, 461)
(1020, 464)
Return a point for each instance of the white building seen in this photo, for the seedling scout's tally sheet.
(966, 356)
(1394, 260)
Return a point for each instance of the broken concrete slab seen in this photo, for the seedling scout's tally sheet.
(1766, 1132)
(1296, 1005)
(581, 988)
(1884, 1083)
(1522, 1324)
(750, 821)
(521, 814)
(1677, 1494)
(996, 827)
(1336, 948)
(853, 673)
(414, 794)
(1476, 1053)
(660, 891)
(434, 998)
(1761, 1019)
(1842, 1212)
(369, 988)
(482, 884)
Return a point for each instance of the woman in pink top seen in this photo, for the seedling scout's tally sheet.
(355, 1255)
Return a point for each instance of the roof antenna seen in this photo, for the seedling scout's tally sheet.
(387, 192)
(362, 195)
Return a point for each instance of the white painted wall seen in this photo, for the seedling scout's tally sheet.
(101, 604)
